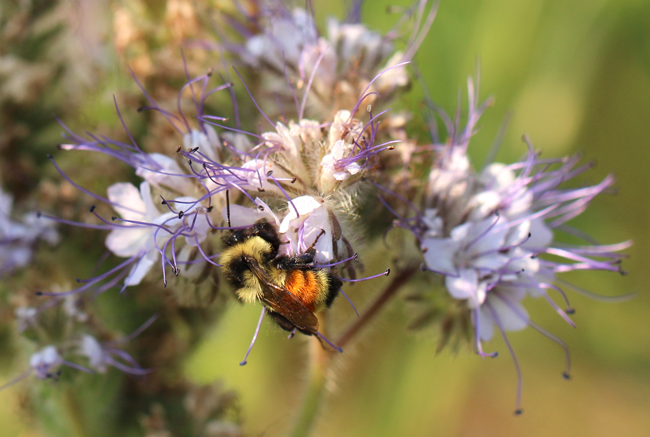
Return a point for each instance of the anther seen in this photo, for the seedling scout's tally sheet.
(260, 189)
(50, 156)
(194, 149)
(294, 180)
(566, 376)
(387, 272)
(519, 412)
(209, 209)
(269, 173)
(140, 109)
(178, 149)
(180, 215)
(38, 214)
(92, 208)
(38, 293)
(570, 311)
(113, 218)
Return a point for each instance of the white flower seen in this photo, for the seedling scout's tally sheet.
(25, 317)
(254, 175)
(504, 306)
(289, 143)
(91, 348)
(337, 166)
(311, 222)
(19, 237)
(162, 170)
(240, 216)
(72, 310)
(283, 39)
(145, 241)
(358, 47)
(208, 144)
(45, 362)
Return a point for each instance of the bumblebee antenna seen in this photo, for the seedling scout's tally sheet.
(228, 214)
(257, 331)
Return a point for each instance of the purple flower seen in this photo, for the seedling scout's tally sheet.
(334, 68)
(491, 235)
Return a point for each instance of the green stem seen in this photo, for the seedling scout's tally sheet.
(73, 414)
(320, 359)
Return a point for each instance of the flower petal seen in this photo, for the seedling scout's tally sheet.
(127, 195)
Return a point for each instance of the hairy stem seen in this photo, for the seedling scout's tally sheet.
(320, 359)
(400, 279)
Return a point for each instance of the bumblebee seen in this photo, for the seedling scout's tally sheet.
(291, 289)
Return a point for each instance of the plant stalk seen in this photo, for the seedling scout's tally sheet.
(400, 279)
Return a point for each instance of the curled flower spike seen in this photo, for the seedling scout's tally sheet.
(331, 69)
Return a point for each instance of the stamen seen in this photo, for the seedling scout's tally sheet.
(257, 331)
(324, 266)
(495, 316)
(385, 273)
(322, 337)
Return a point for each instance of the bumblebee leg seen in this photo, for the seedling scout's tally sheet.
(257, 331)
(283, 322)
(310, 248)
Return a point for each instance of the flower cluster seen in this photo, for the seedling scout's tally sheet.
(307, 164)
(336, 68)
(491, 234)
(66, 333)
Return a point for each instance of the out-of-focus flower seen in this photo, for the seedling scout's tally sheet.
(333, 69)
(18, 238)
(46, 363)
(102, 355)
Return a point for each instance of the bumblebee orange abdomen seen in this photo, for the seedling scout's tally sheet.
(306, 286)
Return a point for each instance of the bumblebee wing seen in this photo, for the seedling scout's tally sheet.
(280, 300)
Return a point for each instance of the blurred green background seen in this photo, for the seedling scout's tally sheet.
(576, 76)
